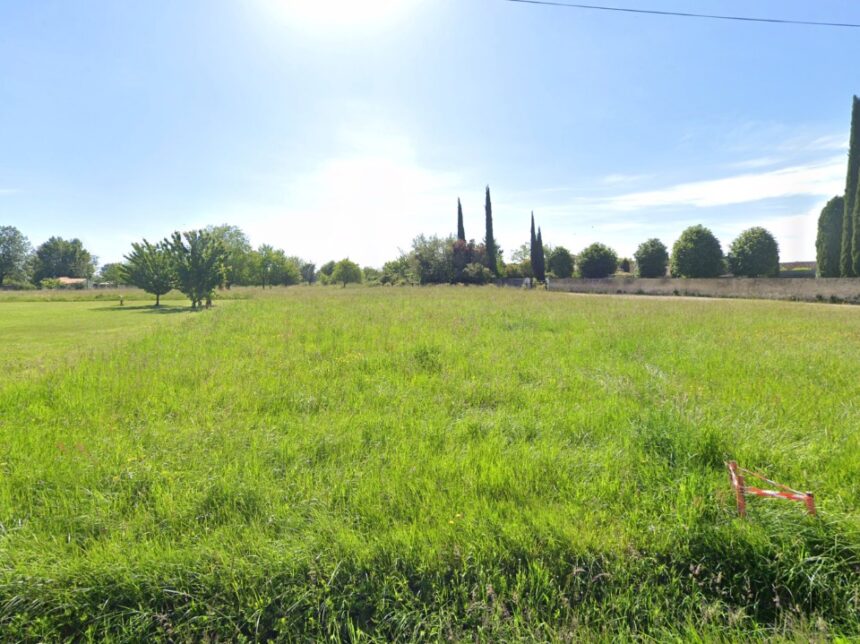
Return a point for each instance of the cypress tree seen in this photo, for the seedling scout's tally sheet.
(533, 246)
(849, 260)
(855, 223)
(540, 271)
(829, 240)
(491, 259)
(461, 231)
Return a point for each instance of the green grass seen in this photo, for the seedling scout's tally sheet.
(38, 337)
(113, 295)
(438, 463)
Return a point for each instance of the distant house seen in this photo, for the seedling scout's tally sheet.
(73, 282)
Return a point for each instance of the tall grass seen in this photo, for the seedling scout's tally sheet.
(438, 463)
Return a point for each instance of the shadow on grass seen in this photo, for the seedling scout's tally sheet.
(150, 308)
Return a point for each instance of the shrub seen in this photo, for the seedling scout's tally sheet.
(475, 273)
(513, 271)
(397, 271)
(49, 283)
(754, 253)
(652, 258)
(17, 285)
(560, 262)
(697, 253)
(371, 275)
(597, 261)
(624, 265)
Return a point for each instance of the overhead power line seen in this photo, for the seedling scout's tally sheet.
(684, 14)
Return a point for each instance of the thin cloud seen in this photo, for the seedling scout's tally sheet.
(827, 143)
(755, 164)
(615, 179)
(817, 179)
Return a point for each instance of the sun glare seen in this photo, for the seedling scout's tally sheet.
(341, 14)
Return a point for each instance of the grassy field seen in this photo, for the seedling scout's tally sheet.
(437, 463)
(38, 337)
(113, 295)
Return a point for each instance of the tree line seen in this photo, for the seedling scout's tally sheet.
(837, 246)
(197, 262)
(697, 253)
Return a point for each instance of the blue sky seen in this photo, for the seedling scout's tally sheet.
(345, 128)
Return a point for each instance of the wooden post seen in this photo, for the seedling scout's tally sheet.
(810, 503)
(739, 486)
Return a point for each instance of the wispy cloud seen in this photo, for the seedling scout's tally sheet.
(816, 179)
(757, 163)
(616, 179)
(828, 143)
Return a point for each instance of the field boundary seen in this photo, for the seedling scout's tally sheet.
(774, 288)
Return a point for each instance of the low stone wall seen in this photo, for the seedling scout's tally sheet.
(514, 282)
(834, 289)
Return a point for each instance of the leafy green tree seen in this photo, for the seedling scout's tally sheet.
(59, 257)
(461, 231)
(597, 261)
(521, 254)
(288, 269)
(271, 267)
(433, 259)
(346, 272)
(264, 263)
(754, 253)
(325, 272)
(150, 267)
(239, 258)
(652, 258)
(849, 261)
(828, 243)
(14, 251)
(697, 253)
(308, 272)
(198, 259)
(491, 258)
(371, 275)
(111, 274)
(462, 254)
(398, 271)
(560, 262)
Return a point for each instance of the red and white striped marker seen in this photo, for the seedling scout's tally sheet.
(742, 489)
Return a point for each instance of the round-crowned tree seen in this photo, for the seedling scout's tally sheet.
(754, 253)
(697, 253)
(597, 261)
(652, 258)
(346, 272)
(560, 262)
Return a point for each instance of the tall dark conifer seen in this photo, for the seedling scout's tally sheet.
(540, 271)
(849, 260)
(829, 240)
(533, 246)
(461, 231)
(492, 256)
